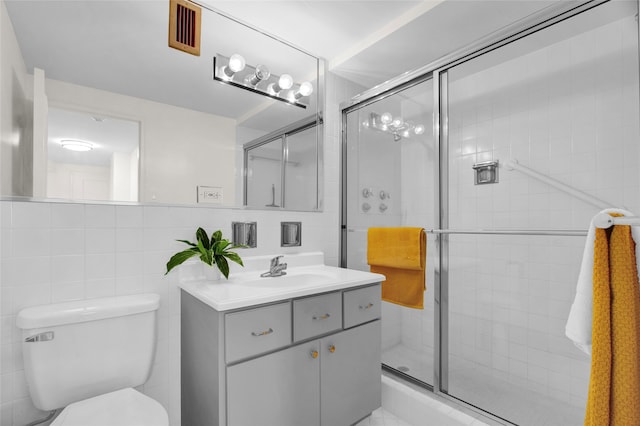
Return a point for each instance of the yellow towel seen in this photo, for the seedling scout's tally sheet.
(614, 386)
(399, 254)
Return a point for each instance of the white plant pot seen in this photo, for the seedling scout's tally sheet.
(211, 273)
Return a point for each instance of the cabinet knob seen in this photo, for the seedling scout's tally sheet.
(314, 354)
(367, 306)
(332, 348)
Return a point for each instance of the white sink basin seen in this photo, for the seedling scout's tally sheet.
(306, 275)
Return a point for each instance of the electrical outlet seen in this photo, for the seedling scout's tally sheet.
(210, 194)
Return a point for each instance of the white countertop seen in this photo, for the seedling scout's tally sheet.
(306, 275)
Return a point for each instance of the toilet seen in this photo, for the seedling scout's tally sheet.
(88, 355)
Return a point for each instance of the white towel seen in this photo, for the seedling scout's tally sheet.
(578, 327)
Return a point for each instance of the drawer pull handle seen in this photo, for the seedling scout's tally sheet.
(314, 354)
(332, 348)
(321, 317)
(262, 333)
(367, 306)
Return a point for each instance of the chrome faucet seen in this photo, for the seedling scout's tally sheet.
(276, 269)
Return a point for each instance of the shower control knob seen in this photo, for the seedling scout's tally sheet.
(384, 195)
(367, 192)
(366, 207)
(383, 207)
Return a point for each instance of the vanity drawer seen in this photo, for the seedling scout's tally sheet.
(258, 330)
(362, 305)
(313, 316)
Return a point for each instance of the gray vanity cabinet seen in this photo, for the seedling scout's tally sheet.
(279, 389)
(310, 361)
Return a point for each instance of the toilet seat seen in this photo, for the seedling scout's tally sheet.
(125, 407)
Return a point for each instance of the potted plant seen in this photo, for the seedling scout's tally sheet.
(213, 251)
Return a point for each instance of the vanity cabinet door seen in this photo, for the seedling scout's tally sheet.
(350, 375)
(279, 389)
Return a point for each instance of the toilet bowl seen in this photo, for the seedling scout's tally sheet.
(87, 356)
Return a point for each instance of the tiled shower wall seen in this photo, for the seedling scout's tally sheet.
(568, 111)
(52, 252)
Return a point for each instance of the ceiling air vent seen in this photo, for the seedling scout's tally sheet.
(184, 26)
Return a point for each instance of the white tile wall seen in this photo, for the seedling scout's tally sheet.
(53, 252)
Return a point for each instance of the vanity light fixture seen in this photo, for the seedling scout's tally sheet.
(397, 126)
(76, 145)
(236, 72)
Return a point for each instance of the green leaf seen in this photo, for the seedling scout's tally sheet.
(205, 254)
(223, 266)
(220, 246)
(215, 237)
(187, 242)
(179, 258)
(202, 237)
(234, 257)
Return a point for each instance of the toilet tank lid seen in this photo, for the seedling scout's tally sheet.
(86, 310)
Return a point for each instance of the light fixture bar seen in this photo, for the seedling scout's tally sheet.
(247, 79)
(395, 126)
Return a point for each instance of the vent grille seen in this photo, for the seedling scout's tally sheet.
(184, 26)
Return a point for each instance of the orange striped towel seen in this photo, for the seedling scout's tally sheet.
(399, 254)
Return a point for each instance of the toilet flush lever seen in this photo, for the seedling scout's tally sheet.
(42, 337)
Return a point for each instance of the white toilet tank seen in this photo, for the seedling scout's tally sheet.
(77, 350)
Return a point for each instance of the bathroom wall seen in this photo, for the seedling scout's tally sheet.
(54, 252)
(569, 111)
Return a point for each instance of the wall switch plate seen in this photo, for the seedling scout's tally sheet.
(210, 194)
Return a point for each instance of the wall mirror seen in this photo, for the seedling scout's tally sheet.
(159, 127)
(281, 169)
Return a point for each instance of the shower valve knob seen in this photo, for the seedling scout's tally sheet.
(367, 192)
(384, 195)
(366, 207)
(383, 207)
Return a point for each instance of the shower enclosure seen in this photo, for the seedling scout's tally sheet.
(503, 156)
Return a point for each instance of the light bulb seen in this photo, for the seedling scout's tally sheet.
(284, 82)
(305, 89)
(419, 129)
(365, 124)
(261, 73)
(397, 122)
(405, 134)
(236, 64)
(386, 118)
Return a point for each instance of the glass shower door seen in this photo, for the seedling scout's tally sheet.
(391, 162)
(562, 106)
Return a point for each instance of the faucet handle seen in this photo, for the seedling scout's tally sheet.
(276, 260)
